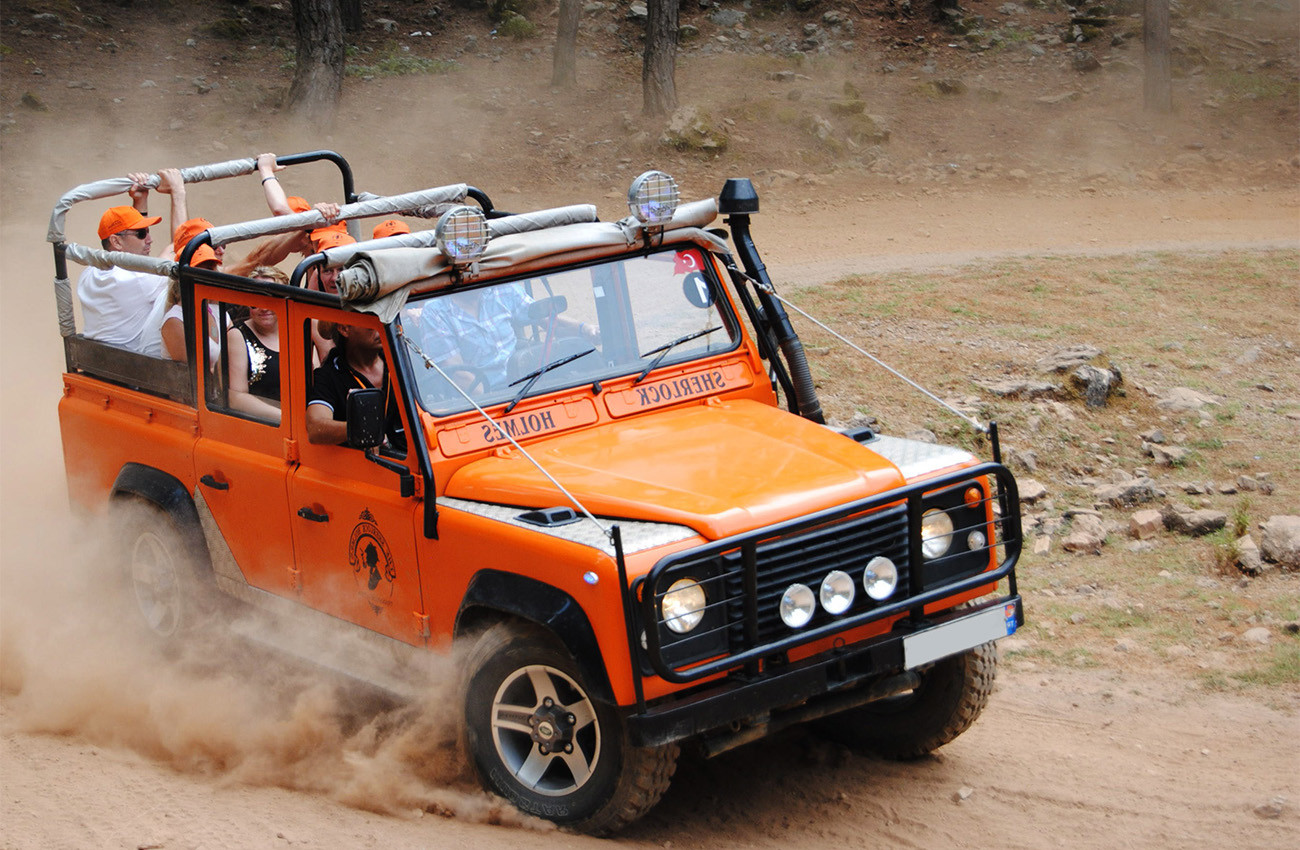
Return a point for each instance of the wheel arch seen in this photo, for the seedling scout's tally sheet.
(494, 596)
(166, 493)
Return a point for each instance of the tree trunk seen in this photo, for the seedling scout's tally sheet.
(658, 90)
(564, 73)
(1158, 94)
(351, 12)
(318, 77)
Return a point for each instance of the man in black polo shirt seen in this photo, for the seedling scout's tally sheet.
(357, 362)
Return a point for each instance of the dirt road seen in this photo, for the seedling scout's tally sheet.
(1079, 760)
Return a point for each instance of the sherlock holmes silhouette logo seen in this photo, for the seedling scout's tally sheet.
(371, 562)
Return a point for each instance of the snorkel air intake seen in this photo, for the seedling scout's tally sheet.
(738, 201)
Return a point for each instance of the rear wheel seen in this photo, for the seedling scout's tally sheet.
(951, 696)
(537, 737)
(162, 577)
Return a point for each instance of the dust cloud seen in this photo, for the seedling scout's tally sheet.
(73, 661)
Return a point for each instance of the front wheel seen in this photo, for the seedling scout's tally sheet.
(951, 696)
(536, 736)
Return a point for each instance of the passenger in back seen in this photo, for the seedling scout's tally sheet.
(116, 302)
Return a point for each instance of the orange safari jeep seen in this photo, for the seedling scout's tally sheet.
(590, 450)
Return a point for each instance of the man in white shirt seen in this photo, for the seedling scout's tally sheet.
(115, 303)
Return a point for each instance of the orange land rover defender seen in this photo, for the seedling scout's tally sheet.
(596, 456)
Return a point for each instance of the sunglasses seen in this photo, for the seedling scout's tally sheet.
(142, 233)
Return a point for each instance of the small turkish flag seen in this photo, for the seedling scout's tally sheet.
(686, 261)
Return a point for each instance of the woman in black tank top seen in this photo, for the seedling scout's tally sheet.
(263, 361)
(253, 352)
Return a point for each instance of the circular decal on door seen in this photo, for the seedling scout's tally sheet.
(371, 562)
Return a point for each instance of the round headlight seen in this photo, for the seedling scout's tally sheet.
(797, 605)
(682, 607)
(880, 578)
(462, 235)
(653, 198)
(936, 533)
(837, 592)
(975, 541)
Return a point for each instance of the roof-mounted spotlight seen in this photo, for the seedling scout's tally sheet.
(653, 198)
(462, 235)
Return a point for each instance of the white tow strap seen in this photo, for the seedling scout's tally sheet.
(982, 428)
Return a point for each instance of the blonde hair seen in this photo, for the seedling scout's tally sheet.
(270, 273)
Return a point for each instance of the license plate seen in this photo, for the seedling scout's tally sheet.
(958, 635)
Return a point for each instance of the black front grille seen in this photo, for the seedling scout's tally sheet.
(744, 577)
(807, 558)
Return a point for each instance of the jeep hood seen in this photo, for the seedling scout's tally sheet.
(719, 468)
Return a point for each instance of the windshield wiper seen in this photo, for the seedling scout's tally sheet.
(663, 350)
(531, 377)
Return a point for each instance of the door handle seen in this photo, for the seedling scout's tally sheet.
(214, 483)
(312, 516)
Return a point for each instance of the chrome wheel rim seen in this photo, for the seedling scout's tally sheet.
(156, 584)
(545, 730)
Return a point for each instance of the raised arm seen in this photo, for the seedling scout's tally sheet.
(276, 199)
(269, 252)
(139, 191)
(171, 183)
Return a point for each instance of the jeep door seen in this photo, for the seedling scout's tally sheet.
(243, 456)
(354, 533)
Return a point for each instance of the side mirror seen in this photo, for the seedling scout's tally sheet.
(365, 418)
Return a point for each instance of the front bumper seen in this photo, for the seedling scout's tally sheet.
(825, 684)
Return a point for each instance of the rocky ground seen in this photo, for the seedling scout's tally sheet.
(1021, 206)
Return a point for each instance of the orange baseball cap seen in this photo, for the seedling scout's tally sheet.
(391, 227)
(188, 230)
(203, 254)
(327, 238)
(340, 227)
(297, 204)
(118, 219)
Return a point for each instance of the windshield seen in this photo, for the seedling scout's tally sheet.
(508, 341)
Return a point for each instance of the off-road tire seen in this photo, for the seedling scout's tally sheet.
(502, 675)
(951, 696)
(165, 581)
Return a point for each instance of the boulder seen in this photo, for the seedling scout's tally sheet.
(1093, 384)
(1031, 491)
(1249, 561)
(1084, 61)
(1138, 491)
(691, 129)
(1167, 455)
(1195, 523)
(1258, 635)
(1026, 459)
(1087, 534)
(1145, 524)
(1185, 400)
(728, 17)
(1088, 372)
(1280, 541)
(1012, 388)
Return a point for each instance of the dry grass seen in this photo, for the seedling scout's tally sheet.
(1224, 324)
